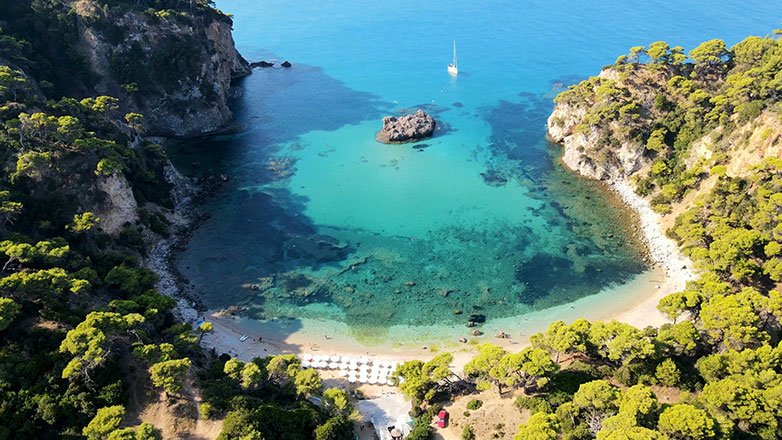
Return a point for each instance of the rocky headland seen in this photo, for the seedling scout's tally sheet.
(176, 69)
(614, 127)
(407, 128)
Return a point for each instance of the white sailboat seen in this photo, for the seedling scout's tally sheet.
(453, 68)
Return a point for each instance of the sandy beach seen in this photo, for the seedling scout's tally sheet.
(663, 251)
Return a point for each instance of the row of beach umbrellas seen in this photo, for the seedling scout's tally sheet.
(355, 369)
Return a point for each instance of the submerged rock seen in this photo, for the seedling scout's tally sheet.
(285, 64)
(494, 178)
(478, 319)
(407, 128)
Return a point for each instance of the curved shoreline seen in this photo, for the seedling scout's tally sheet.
(664, 253)
(634, 302)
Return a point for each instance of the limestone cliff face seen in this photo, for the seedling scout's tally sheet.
(566, 126)
(614, 147)
(174, 68)
(627, 158)
(118, 206)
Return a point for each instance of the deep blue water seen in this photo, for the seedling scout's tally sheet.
(319, 220)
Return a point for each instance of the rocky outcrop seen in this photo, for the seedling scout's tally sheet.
(119, 206)
(262, 64)
(175, 69)
(408, 128)
(579, 154)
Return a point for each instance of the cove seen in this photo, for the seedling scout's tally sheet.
(319, 221)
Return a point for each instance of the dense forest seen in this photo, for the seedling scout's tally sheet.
(708, 127)
(86, 342)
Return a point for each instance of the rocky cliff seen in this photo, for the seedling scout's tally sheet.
(584, 142)
(84, 98)
(671, 128)
(175, 68)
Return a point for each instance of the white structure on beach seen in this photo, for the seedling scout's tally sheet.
(390, 410)
(361, 369)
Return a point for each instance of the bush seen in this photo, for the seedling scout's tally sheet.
(474, 404)
(335, 428)
(421, 431)
(467, 433)
(206, 411)
(534, 404)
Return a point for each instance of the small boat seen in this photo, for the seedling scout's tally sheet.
(243, 338)
(453, 68)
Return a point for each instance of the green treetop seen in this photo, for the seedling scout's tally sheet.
(308, 382)
(170, 375)
(484, 367)
(8, 311)
(540, 426)
(105, 421)
(683, 421)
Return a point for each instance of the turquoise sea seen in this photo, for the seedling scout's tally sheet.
(318, 220)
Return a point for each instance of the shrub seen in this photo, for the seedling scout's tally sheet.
(467, 433)
(421, 431)
(534, 404)
(206, 411)
(474, 404)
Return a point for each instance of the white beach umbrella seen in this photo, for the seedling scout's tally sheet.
(353, 363)
(363, 360)
(334, 358)
(352, 379)
(306, 357)
(372, 380)
(382, 380)
(305, 364)
(343, 365)
(363, 378)
(323, 364)
(333, 365)
(343, 372)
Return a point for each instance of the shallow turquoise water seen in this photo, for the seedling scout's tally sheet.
(319, 220)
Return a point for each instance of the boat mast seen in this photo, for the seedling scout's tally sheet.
(454, 54)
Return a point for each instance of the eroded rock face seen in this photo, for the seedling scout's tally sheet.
(408, 128)
(579, 153)
(177, 72)
(119, 206)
